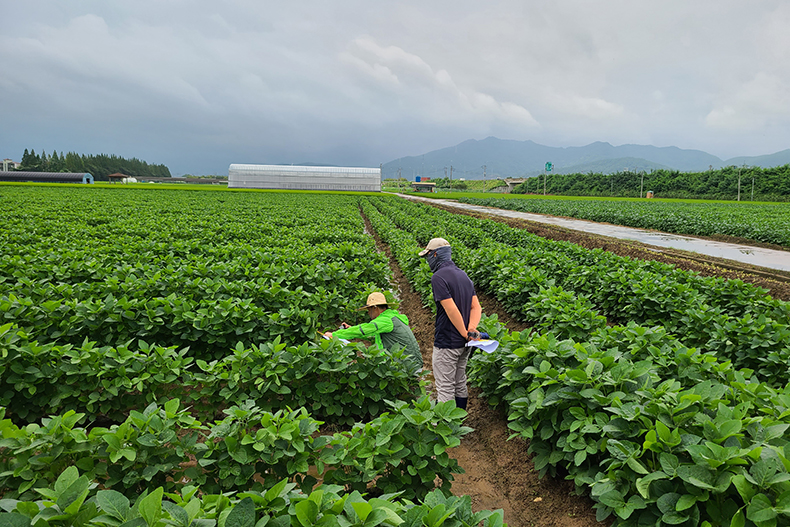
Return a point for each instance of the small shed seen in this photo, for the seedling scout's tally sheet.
(46, 177)
(116, 178)
(423, 186)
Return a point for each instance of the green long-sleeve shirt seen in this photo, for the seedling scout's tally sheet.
(390, 331)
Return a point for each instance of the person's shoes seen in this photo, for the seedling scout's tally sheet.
(460, 402)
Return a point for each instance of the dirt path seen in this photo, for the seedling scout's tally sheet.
(499, 473)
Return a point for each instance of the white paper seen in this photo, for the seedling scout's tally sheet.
(344, 341)
(487, 345)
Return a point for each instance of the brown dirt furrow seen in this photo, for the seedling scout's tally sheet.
(499, 474)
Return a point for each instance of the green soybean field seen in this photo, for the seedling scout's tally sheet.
(160, 365)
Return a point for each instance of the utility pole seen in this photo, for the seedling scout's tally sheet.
(484, 178)
(752, 186)
(739, 182)
(546, 169)
(642, 184)
(451, 173)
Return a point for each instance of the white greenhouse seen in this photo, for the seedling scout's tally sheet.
(304, 178)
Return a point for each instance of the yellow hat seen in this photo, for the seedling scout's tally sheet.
(434, 244)
(375, 299)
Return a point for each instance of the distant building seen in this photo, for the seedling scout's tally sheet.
(47, 177)
(289, 177)
(421, 186)
(9, 165)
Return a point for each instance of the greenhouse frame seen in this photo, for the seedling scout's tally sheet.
(290, 177)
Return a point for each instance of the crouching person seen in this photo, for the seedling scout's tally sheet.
(387, 328)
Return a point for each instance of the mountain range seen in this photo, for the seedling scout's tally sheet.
(500, 158)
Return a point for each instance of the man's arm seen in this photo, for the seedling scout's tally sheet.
(366, 329)
(475, 314)
(455, 315)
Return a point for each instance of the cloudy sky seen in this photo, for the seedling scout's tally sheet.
(199, 84)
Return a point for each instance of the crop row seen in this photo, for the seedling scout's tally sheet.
(402, 450)
(342, 383)
(737, 321)
(767, 223)
(73, 500)
(654, 431)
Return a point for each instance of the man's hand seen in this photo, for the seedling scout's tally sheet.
(328, 334)
(343, 325)
(472, 334)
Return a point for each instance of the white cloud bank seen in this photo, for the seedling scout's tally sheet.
(198, 85)
(429, 94)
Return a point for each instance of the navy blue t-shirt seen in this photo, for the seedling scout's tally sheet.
(451, 282)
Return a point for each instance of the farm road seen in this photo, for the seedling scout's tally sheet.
(499, 473)
(746, 254)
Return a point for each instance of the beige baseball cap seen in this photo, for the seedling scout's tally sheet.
(375, 299)
(434, 244)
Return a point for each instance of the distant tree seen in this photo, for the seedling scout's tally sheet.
(25, 160)
(73, 163)
(56, 163)
(99, 166)
(30, 162)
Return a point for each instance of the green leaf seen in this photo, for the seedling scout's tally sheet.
(72, 498)
(243, 514)
(66, 479)
(663, 432)
(376, 517)
(612, 499)
(783, 503)
(150, 507)
(685, 501)
(667, 502)
(760, 509)
(636, 466)
(643, 484)
(13, 519)
(698, 476)
(179, 515)
(669, 463)
(113, 503)
(307, 512)
(745, 489)
(674, 518)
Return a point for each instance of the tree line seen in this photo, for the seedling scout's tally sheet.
(765, 184)
(99, 166)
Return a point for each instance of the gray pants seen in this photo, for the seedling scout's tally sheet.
(449, 372)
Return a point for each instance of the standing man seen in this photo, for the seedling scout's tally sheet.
(458, 312)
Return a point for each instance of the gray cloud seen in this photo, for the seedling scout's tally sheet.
(199, 85)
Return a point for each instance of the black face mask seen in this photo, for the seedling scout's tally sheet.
(439, 257)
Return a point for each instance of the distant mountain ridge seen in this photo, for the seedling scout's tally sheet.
(509, 158)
